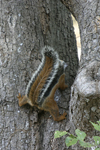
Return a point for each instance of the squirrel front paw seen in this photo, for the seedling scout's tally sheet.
(20, 97)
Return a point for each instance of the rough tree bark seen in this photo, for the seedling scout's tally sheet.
(25, 27)
(85, 94)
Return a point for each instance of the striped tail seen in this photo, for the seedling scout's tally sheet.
(44, 75)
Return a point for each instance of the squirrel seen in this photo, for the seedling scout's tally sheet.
(49, 76)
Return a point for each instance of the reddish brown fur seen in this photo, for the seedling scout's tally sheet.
(49, 103)
(40, 80)
(44, 75)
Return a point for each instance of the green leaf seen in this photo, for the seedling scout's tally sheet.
(59, 134)
(96, 139)
(80, 134)
(85, 144)
(72, 136)
(97, 149)
(98, 122)
(70, 141)
(96, 126)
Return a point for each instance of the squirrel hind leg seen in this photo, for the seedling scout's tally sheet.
(24, 100)
(51, 106)
(61, 82)
(56, 116)
(60, 117)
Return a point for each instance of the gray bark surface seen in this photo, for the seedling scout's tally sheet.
(85, 93)
(25, 27)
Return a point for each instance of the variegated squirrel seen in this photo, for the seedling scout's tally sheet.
(49, 76)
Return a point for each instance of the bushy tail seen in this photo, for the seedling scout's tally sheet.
(41, 79)
(44, 74)
(50, 52)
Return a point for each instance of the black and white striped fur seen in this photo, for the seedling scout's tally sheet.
(58, 68)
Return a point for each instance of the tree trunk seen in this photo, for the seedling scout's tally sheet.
(85, 93)
(25, 27)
